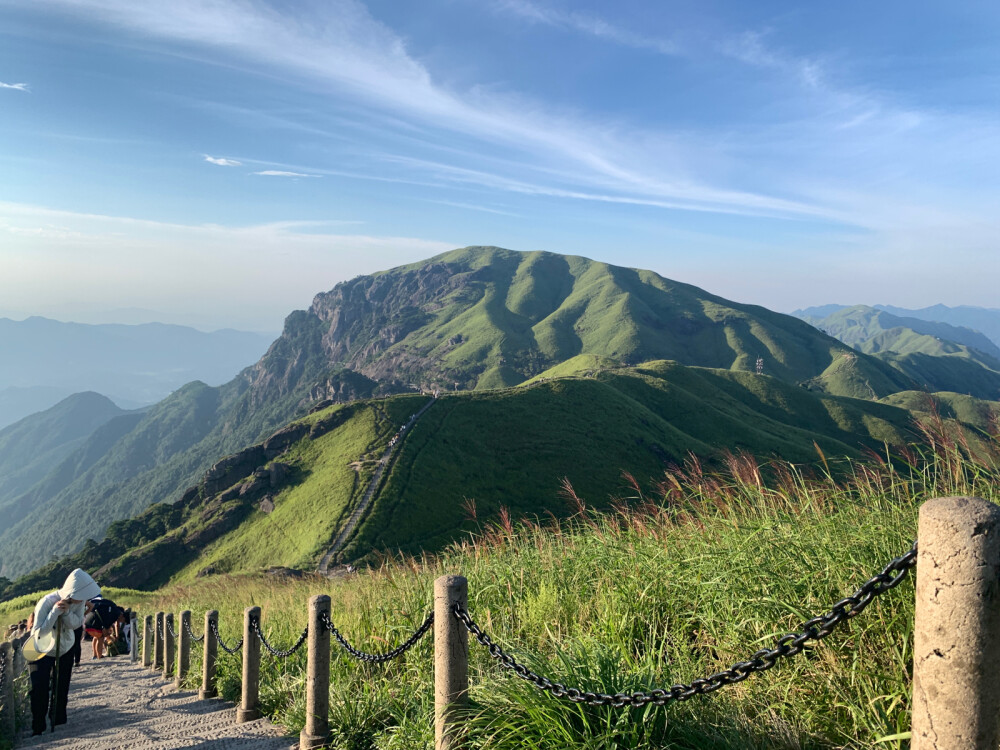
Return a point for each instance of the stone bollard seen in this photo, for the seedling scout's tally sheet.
(317, 730)
(208, 662)
(956, 644)
(133, 641)
(451, 661)
(248, 710)
(147, 641)
(183, 648)
(7, 692)
(168, 646)
(158, 643)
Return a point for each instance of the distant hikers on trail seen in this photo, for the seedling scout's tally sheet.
(103, 623)
(49, 649)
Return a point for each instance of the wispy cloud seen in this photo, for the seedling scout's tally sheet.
(15, 86)
(222, 161)
(587, 24)
(345, 49)
(283, 173)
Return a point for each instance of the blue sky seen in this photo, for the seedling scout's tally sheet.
(218, 162)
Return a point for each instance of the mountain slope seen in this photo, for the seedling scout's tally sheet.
(476, 318)
(282, 502)
(934, 356)
(31, 446)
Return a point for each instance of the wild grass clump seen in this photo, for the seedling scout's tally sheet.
(668, 587)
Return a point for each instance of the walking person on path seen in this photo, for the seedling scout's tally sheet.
(56, 617)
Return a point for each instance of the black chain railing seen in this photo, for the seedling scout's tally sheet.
(788, 645)
(3, 667)
(383, 657)
(170, 629)
(279, 653)
(228, 649)
(195, 638)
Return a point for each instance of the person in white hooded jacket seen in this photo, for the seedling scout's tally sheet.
(57, 616)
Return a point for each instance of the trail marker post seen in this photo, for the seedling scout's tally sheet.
(158, 643)
(451, 660)
(183, 648)
(248, 710)
(317, 729)
(168, 646)
(133, 643)
(147, 641)
(208, 662)
(956, 650)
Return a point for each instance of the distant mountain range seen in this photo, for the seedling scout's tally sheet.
(680, 368)
(985, 320)
(44, 361)
(938, 356)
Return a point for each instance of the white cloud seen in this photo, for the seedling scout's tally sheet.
(283, 173)
(14, 86)
(340, 46)
(587, 24)
(222, 161)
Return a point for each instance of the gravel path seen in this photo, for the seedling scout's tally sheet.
(116, 704)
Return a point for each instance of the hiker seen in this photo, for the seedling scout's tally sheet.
(56, 617)
(100, 623)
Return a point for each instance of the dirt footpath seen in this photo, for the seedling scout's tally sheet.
(116, 704)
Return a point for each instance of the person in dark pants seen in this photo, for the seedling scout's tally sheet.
(56, 617)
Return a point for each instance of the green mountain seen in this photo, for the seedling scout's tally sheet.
(472, 319)
(481, 453)
(31, 446)
(936, 356)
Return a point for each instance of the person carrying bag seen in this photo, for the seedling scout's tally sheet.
(49, 649)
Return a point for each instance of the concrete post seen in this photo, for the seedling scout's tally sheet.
(208, 661)
(7, 692)
(133, 641)
(183, 648)
(956, 649)
(451, 661)
(158, 643)
(248, 710)
(168, 646)
(317, 730)
(147, 641)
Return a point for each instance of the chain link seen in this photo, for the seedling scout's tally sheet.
(215, 631)
(255, 624)
(170, 629)
(195, 638)
(3, 667)
(788, 645)
(377, 658)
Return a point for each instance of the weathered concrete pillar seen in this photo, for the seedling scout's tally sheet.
(208, 661)
(183, 648)
(133, 641)
(147, 641)
(7, 692)
(956, 649)
(451, 661)
(158, 643)
(248, 710)
(168, 646)
(317, 730)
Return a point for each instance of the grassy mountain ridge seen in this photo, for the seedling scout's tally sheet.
(474, 318)
(487, 450)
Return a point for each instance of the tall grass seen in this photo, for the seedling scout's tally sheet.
(668, 587)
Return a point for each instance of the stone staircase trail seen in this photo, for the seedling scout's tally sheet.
(114, 703)
(384, 462)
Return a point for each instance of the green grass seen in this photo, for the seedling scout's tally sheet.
(677, 583)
